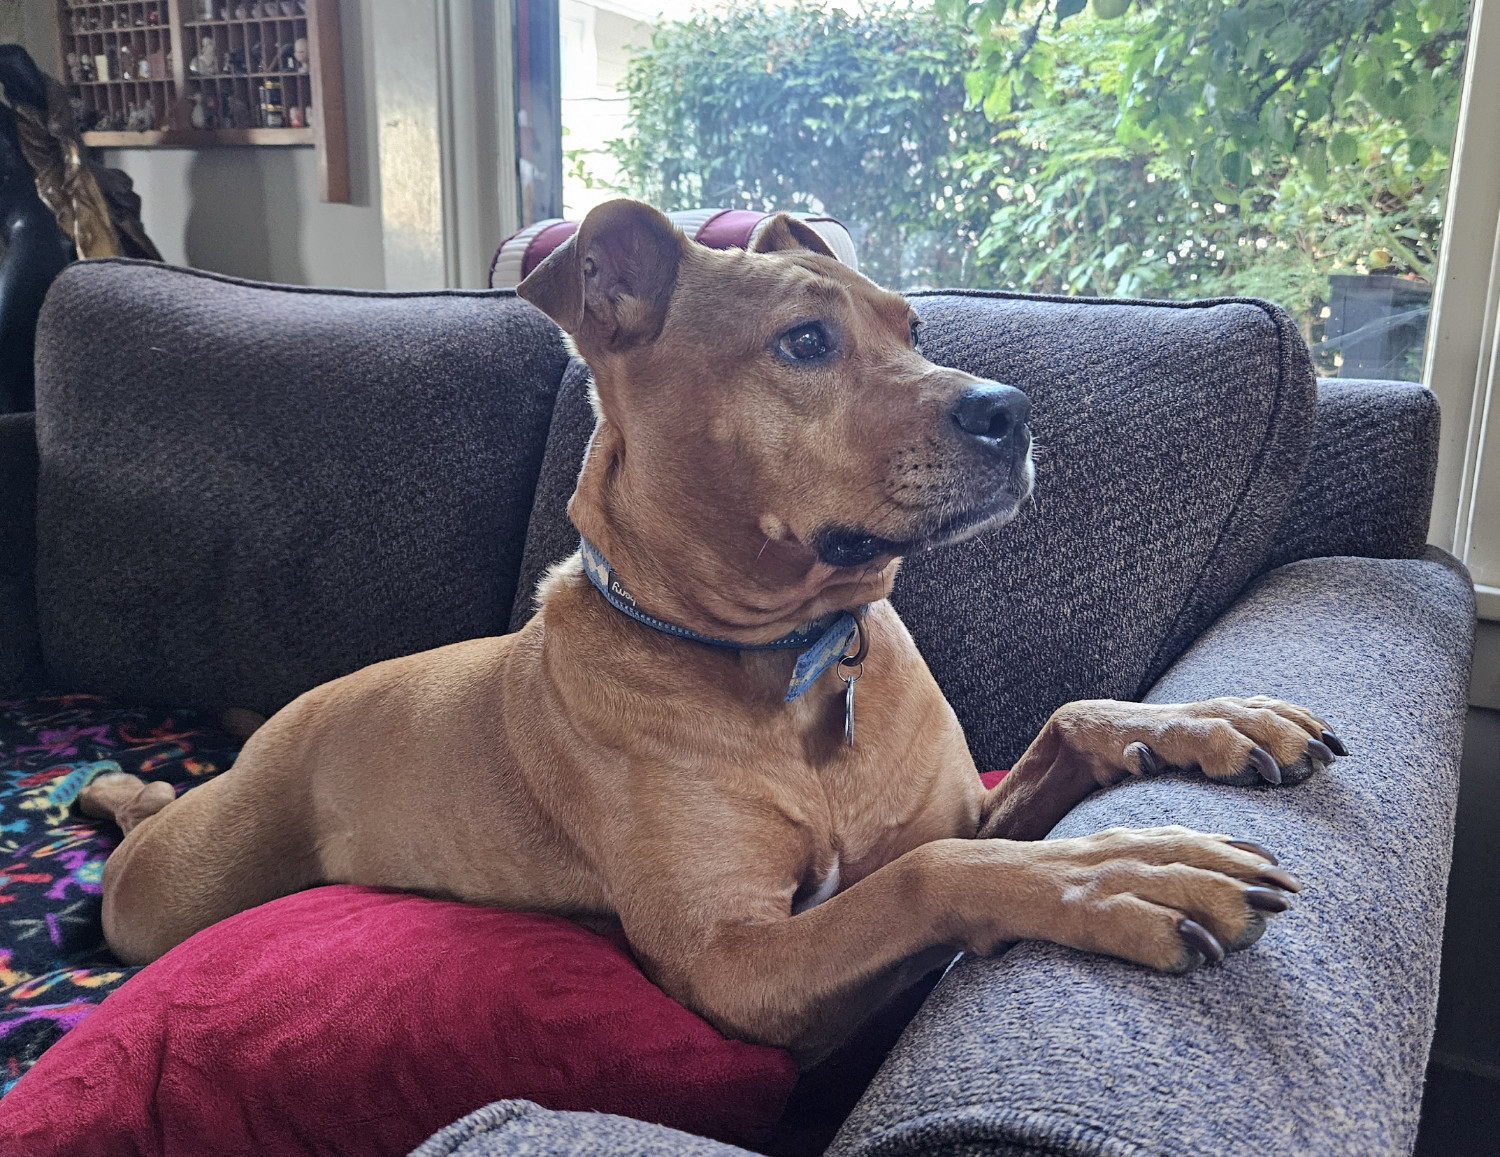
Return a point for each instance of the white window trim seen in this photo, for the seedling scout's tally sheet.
(1463, 340)
(444, 83)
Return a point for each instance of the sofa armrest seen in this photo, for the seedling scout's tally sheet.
(524, 1129)
(20, 650)
(1315, 1039)
(1367, 487)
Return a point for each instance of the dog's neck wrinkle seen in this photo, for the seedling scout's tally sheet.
(678, 572)
(686, 590)
(685, 572)
(689, 587)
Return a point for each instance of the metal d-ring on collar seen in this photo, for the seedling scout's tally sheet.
(823, 643)
(858, 658)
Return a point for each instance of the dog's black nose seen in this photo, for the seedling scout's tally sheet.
(990, 412)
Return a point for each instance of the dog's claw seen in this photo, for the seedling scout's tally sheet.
(1267, 899)
(1145, 759)
(1320, 751)
(1254, 848)
(1280, 878)
(1265, 764)
(1200, 940)
(1335, 744)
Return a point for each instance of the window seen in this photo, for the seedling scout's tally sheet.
(1171, 148)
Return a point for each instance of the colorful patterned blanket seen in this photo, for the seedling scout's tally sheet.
(54, 965)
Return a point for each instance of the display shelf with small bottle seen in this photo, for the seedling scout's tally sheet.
(200, 73)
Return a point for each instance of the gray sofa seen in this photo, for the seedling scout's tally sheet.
(241, 491)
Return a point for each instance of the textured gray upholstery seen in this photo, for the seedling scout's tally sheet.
(523, 1129)
(1171, 441)
(20, 653)
(247, 490)
(1311, 1042)
(551, 537)
(1367, 488)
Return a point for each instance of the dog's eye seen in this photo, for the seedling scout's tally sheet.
(916, 335)
(805, 343)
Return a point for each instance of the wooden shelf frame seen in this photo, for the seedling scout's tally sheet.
(114, 37)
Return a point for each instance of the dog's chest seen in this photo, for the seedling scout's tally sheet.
(816, 887)
(906, 779)
(872, 815)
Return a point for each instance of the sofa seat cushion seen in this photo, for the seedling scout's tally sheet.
(1170, 441)
(351, 1020)
(54, 966)
(522, 1129)
(350, 472)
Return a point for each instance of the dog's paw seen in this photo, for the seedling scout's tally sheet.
(1169, 898)
(126, 799)
(1237, 741)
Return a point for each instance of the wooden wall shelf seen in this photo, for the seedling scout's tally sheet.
(197, 138)
(207, 73)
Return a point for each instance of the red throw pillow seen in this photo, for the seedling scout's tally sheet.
(347, 1020)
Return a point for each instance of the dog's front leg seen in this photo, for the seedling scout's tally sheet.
(1097, 742)
(1166, 898)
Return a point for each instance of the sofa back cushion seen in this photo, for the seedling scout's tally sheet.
(246, 490)
(1367, 490)
(1170, 441)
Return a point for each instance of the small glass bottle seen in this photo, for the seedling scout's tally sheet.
(272, 111)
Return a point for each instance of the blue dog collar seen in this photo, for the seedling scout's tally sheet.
(822, 643)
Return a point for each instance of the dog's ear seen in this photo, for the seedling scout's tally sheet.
(783, 232)
(610, 283)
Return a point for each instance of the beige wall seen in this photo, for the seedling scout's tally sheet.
(29, 23)
(254, 212)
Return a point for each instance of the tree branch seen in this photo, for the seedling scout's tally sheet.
(1298, 67)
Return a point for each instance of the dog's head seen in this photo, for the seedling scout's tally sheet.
(768, 427)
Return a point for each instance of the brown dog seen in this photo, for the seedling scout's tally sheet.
(770, 441)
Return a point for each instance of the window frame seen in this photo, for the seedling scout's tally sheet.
(1463, 341)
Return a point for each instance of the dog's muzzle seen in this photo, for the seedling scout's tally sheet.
(991, 424)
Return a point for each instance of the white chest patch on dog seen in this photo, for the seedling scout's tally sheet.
(823, 891)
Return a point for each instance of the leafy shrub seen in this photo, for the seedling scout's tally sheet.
(1181, 146)
(860, 115)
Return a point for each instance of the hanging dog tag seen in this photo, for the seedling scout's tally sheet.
(849, 682)
(849, 706)
(855, 663)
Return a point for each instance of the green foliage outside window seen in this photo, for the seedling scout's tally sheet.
(1181, 147)
(798, 108)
